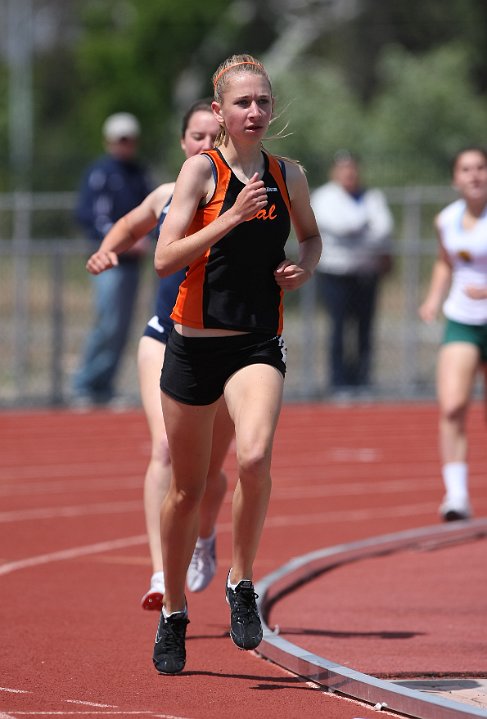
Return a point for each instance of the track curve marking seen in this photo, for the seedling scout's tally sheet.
(335, 677)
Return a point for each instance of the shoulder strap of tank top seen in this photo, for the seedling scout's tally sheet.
(277, 169)
(211, 155)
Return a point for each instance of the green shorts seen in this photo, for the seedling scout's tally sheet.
(473, 334)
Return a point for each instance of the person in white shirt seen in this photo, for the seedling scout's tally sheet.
(460, 275)
(358, 226)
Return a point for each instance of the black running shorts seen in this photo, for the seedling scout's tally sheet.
(196, 369)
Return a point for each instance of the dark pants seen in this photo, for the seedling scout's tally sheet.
(350, 301)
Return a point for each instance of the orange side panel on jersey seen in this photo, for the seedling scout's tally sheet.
(188, 309)
(276, 172)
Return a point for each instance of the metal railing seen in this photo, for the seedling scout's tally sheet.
(45, 306)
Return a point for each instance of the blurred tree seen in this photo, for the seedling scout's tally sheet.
(428, 107)
(357, 44)
(350, 70)
(317, 114)
(129, 58)
(157, 58)
(425, 108)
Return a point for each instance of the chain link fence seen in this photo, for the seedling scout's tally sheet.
(46, 311)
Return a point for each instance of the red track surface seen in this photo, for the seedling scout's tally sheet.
(411, 614)
(74, 563)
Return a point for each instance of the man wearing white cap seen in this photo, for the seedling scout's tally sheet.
(112, 186)
(121, 125)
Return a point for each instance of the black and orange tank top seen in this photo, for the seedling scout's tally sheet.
(232, 285)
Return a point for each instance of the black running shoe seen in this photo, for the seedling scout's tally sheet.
(454, 511)
(169, 649)
(246, 628)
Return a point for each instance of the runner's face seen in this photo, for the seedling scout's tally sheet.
(470, 175)
(200, 134)
(247, 106)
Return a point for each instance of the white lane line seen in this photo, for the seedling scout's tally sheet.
(121, 712)
(80, 469)
(72, 553)
(354, 515)
(14, 691)
(280, 493)
(91, 704)
(69, 486)
(353, 488)
(72, 511)
(352, 454)
(331, 517)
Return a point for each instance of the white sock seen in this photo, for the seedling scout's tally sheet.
(181, 611)
(232, 586)
(202, 541)
(455, 479)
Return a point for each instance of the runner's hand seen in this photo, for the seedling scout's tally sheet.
(251, 199)
(101, 261)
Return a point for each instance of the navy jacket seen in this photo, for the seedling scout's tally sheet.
(110, 188)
